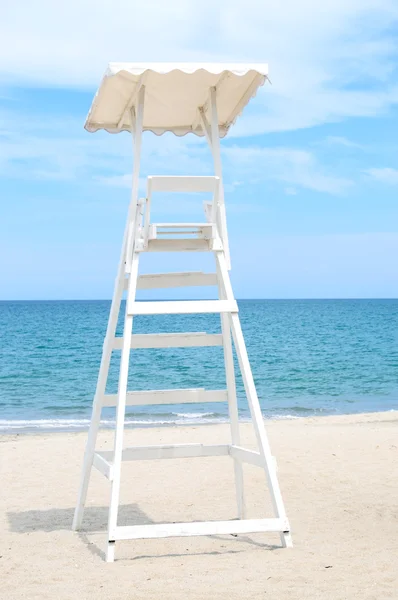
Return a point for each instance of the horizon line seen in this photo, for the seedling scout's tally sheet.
(197, 299)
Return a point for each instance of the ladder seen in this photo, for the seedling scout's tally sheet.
(209, 236)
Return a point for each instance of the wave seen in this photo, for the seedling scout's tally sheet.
(8, 426)
(31, 425)
(42, 424)
(194, 415)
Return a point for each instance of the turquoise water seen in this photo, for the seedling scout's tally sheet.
(309, 357)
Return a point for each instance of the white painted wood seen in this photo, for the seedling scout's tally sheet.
(232, 400)
(205, 125)
(178, 245)
(197, 232)
(175, 307)
(208, 207)
(147, 217)
(170, 451)
(131, 101)
(182, 225)
(172, 280)
(127, 331)
(183, 184)
(100, 391)
(110, 551)
(171, 340)
(215, 209)
(223, 276)
(215, 148)
(176, 396)
(103, 466)
(107, 348)
(121, 409)
(137, 238)
(247, 456)
(152, 234)
(163, 530)
(254, 405)
(136, 172)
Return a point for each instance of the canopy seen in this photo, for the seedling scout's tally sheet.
(173, 94)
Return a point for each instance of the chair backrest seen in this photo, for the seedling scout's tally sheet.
(178, 184)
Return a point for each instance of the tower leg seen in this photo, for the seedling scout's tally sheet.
(120, 412)
(254, 405)
(97, 404)
(258, 424)
(232, 400)
(113, 317)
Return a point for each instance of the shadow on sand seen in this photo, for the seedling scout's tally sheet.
(95, 521)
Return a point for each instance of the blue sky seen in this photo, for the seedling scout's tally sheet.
(311, 167)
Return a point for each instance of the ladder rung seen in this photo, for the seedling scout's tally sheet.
(182, 225)
(169, 451)
(160, 530)
(184, 396)
(171, 340)
(182, 307)
(184, 232)
(184, 183)
(170, 280)
(178, 245)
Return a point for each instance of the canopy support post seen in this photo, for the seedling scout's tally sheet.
(216, 151)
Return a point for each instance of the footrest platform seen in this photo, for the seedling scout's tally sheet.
(163, 530)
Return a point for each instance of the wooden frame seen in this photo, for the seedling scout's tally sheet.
(140, 236)
(173, 280)
(186, 396)
(171, 340)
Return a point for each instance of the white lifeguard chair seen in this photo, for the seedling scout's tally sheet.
(205, 100)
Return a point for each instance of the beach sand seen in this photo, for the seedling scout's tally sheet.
(339, 479)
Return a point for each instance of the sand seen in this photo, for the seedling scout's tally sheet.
(339, 478)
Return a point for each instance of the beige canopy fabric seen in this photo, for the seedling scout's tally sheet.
(173, 94)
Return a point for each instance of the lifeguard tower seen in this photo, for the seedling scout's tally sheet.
(203, 100)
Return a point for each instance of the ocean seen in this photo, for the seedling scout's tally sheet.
(309, 357)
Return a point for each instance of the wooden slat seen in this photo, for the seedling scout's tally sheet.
(171, 340)
(187, 396)
(100, 463)
(182, 183)
(182, 232)
(178, 245)
(172, 280)
(246, 456)
(162, 530)
(183, 225)
(170, 451)
(177, 307)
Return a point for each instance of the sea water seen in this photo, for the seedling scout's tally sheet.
(309, 357)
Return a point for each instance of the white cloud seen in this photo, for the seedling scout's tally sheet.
(384, 175)
(33, 148)
(334, 140)
(328, 60)
(290, 191)
(298, 168)
(123, 181)
(52, 150)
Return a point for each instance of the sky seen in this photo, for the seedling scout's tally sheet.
(310, 168)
